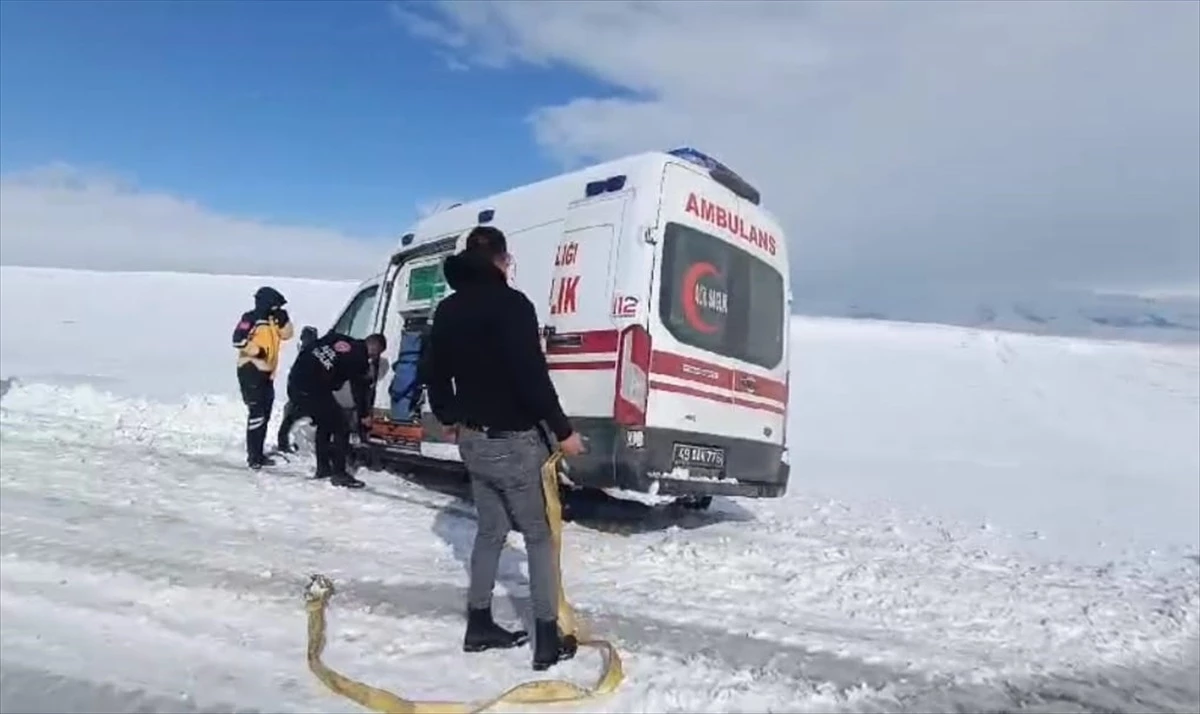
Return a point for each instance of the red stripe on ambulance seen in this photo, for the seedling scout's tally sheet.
(588, 366)
(763, 387)
(701, 372)
(672, 365)
(715, 376)
(596, 344)
(599, 345)
(714, 397)
(601, 342)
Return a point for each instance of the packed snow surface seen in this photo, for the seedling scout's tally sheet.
(976, 520)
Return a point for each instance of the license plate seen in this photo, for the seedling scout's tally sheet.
(692, 456)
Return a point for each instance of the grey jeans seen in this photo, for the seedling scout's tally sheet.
(506, 483)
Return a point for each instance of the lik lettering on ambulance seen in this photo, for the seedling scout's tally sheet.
(564, 289)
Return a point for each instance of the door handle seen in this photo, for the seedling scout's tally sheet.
(747, 383)
(567, 340)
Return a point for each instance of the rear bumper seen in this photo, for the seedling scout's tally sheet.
(639, 460)
(643, 460)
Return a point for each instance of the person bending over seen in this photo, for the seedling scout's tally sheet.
(319, 372)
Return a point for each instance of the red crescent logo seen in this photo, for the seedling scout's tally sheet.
(691, 311)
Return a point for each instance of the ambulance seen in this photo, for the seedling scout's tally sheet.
(663, 294)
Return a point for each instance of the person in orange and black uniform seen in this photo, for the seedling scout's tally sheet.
(258, 338)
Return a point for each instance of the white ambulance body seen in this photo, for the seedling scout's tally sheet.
(663, 291)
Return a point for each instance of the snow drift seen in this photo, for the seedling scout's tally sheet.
(1079, 446)
(976, 520)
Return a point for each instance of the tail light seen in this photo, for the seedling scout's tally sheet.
(787, 399)
(633, 376)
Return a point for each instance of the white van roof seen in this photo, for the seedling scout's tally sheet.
(459, 217)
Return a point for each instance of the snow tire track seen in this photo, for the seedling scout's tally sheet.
(30, 534)
(215, 533)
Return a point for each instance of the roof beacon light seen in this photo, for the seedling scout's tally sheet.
(719, 172)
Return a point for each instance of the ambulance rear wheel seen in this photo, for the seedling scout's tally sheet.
(566, 501)
(695, 503)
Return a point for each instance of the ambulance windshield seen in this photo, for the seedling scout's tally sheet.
(721, 298)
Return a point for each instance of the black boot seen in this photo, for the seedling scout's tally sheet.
(484, 634)
(257, 462)
(549, 647)
(345, 480)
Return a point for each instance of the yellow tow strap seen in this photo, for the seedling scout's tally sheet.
(546, 691)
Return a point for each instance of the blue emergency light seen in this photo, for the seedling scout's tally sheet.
(699, 158)
(486, 216)
(612, 184)
(719, 172)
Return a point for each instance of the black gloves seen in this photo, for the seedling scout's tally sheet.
(281, 316)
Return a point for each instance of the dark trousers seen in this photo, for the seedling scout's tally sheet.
(333, 433)
(258, 393)
(291, 414)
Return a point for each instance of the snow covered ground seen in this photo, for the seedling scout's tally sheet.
(980, 521)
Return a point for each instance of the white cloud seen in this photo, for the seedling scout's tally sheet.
(66, 217)
(1010, 146)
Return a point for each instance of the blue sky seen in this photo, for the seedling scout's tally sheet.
(317, 113)
(920, 153)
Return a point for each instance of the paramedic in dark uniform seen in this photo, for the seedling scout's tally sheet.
(291, 410)
(316, 374)
(258, 337)
(488, 383)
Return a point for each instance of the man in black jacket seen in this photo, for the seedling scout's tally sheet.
(488, 383)
(316, 374)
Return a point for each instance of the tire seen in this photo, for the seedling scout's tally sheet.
(568, 508)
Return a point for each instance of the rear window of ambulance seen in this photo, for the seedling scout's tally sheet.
(720, 298)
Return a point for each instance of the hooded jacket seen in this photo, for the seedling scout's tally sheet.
(261, 332)
(485, 367)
